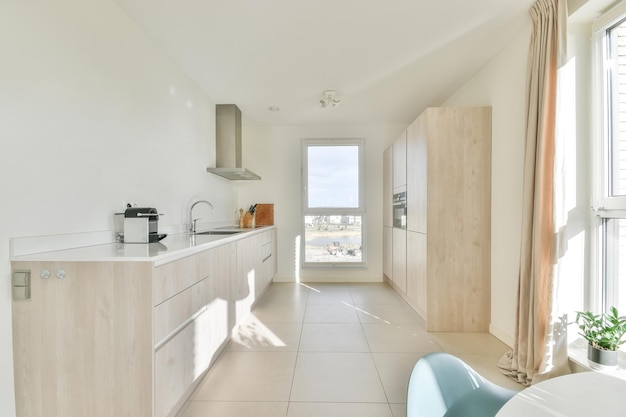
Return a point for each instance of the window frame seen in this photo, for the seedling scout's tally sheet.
(343, 211)
(603, 281)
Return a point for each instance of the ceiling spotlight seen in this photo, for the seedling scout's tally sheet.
(329, 99)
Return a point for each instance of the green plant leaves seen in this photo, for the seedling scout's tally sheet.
(603, 331)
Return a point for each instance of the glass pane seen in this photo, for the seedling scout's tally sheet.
(332, 239)
(617, 115)
(333, 179)
(615, 265)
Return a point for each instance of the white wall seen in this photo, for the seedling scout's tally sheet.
(501, 85)
(92, 114)
(274, 153)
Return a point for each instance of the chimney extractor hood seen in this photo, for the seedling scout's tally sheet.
(228, 144)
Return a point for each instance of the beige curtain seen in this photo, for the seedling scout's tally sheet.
(534, 330)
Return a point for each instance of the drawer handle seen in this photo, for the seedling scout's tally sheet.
(180, 328)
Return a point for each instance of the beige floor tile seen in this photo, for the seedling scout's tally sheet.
(369, 286)
(235, 409)
(485, 365)
(469, 343)
(297, 409)
(331, 313)
(269, 312)
(340, 297)
(321, 287)
(285, 294)
(376, 297)
(255, 335)
(336, 377)
(398, 410)
(248, 376)
(333, 337)
(394, 370)
(399, 338)
(305, 352)
(388, 314)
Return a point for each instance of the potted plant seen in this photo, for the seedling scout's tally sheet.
(604, 332)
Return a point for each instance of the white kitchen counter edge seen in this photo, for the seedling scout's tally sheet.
(173, 247)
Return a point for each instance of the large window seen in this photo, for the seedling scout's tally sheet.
(610, 190)
(333, 209)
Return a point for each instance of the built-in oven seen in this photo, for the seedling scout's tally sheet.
(399, 210)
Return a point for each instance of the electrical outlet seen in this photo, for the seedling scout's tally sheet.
(127, 203)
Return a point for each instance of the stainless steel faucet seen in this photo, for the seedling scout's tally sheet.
(192, 221)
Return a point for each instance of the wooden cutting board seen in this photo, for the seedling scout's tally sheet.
(264, 214)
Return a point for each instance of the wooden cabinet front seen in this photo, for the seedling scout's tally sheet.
(73, 354)
(388, 252)
(388, 187)
(128, 338)
(399, 163)
(448, 169)
(399, 259)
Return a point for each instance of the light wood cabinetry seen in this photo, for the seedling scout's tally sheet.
(128, 338)
(388, 187)
(417, 176)
(181, 344)
(449, 218)
(388, 212)
(82, 345)
(388, 252)
(399, 164)
(416, 288)
(399, 258)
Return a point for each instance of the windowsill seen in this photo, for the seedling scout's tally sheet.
(577, 352)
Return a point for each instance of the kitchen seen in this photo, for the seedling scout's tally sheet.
(93, 117)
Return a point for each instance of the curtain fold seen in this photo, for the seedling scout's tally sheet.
(535, 333)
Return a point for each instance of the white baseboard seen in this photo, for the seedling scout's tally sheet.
(506, 338)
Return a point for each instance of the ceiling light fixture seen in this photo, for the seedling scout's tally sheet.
(329, 99)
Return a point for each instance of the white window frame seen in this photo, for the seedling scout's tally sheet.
(600, 295)
(345, 211)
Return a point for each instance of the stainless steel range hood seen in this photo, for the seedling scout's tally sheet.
(228, 144)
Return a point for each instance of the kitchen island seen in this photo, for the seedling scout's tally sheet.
(130, 329)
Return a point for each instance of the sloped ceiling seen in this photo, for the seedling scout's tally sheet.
(387, 60)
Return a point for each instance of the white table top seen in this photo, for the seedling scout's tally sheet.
(581, 394)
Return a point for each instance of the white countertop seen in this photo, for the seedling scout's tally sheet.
(171, 248)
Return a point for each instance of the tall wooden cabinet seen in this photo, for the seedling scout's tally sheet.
(399, 164)
(387, 212)
(448, 239)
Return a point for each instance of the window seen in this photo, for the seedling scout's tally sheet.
(333, 202)
(610, 188)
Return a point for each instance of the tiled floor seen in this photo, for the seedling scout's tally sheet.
(311, 350)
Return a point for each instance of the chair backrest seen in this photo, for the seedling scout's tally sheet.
(443, 385)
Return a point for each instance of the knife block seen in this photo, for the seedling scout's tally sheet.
(248, 220)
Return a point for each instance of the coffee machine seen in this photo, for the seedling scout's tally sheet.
(141, 225)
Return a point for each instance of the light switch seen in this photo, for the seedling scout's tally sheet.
(21, 285)
(21, 279)
(21, 293)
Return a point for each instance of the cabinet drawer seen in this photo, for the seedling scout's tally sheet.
(266, 251)
(179, 363)
(172, 278)
(175, 311)
(266, 237)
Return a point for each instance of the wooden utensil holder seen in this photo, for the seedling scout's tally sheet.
(248, 220)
